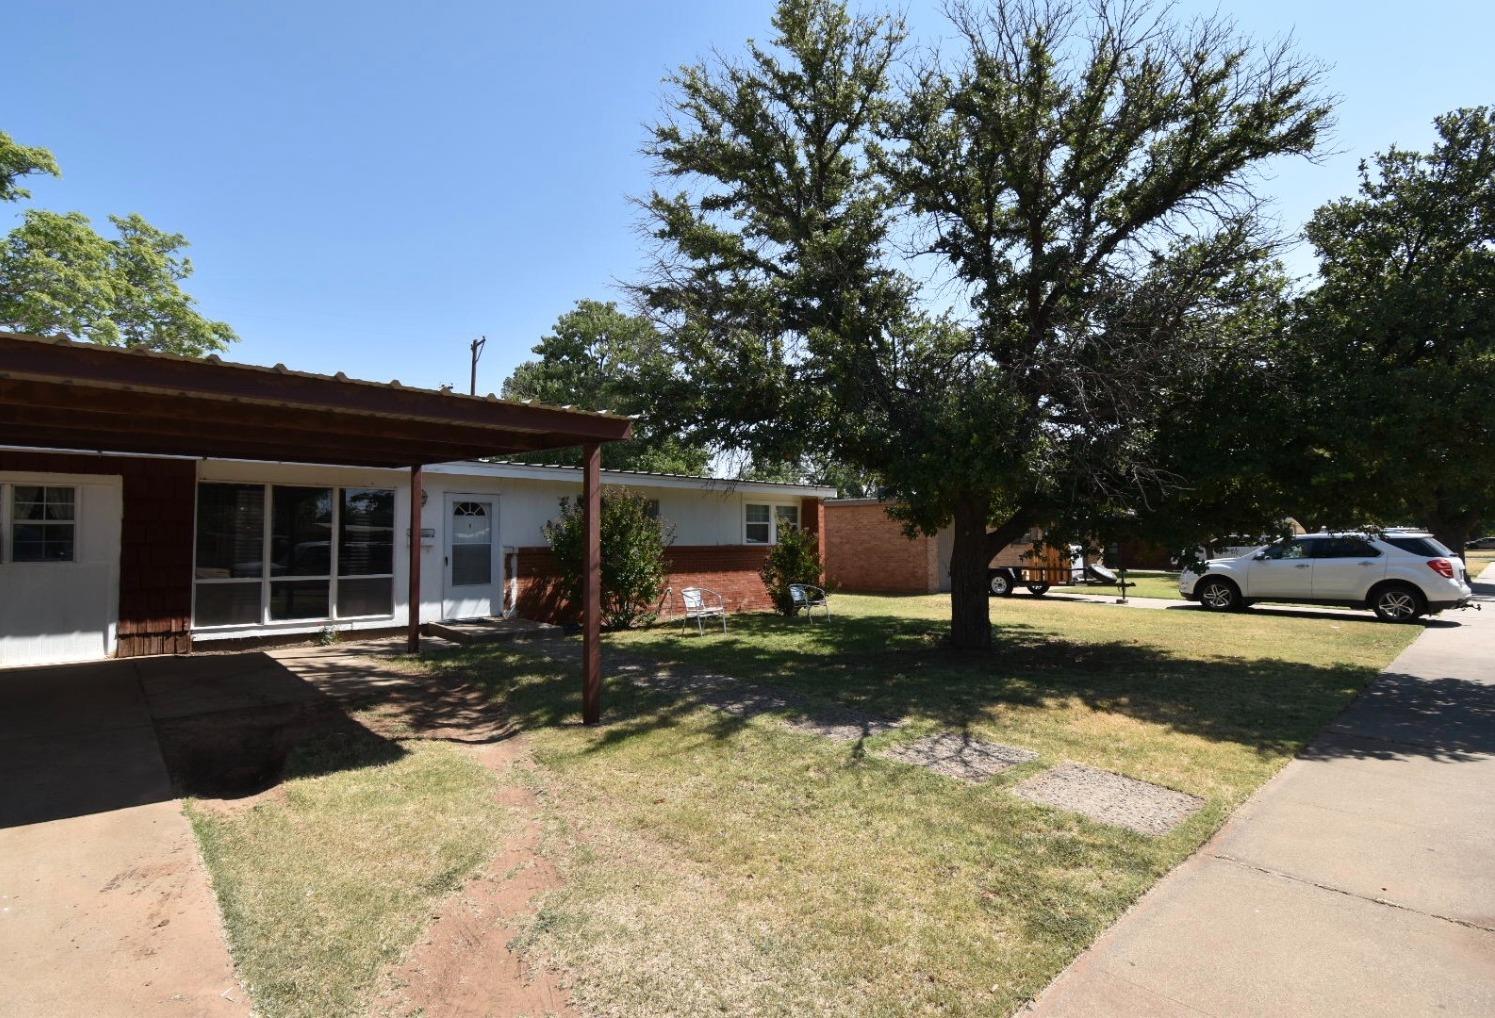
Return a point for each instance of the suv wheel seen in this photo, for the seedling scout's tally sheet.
(1398, 603)
(1000, 584)
(1219, 595)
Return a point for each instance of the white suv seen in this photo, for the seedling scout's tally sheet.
(1400, 575)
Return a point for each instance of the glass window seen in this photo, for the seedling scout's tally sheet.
(364, 595)
(230, 530)
(366, 532)
(785, 517)
(1424, 546)
(243, 581)
(1295, 549)
(300, 531)
(298, 599)
(758, 526)
(1344, 547)
(472, 544)
(43, 523)
(227, 604)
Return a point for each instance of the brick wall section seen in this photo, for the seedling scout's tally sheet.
(730, 570)
(155, 567)
(865, 550)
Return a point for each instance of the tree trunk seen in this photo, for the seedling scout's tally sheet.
(970, 613)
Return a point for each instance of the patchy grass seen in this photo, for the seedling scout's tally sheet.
(333, 875)
(721, 865)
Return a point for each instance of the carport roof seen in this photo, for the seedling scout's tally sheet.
(59, 394)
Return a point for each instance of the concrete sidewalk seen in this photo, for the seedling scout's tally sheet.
(1359, 881)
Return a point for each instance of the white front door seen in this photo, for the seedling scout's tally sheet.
(474, 569)
(59, 567)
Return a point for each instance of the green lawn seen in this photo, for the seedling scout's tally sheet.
(719, 865)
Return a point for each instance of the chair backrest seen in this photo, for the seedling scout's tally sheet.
(692, 598)
(797, 593)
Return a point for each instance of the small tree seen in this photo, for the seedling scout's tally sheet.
(633, 544)
(795, 559)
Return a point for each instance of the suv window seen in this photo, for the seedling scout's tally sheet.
(1298, 548)
(1426, 547)
(1345, 547)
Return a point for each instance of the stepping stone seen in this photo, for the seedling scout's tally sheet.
(1110, 798)
(960, 756)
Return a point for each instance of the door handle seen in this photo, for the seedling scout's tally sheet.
(1303, 565)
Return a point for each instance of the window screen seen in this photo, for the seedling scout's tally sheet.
(758, 528)
(786, 517)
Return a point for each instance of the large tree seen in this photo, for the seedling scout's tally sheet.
(602, 358)
(59, 275)
(1398, 337)
(988, 287)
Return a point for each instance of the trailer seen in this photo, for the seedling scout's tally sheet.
(1003, 581)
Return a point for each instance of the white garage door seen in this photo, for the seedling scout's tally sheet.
(59, 567)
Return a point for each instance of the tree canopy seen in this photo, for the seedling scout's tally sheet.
(1397, 340)
(601, 358)
(988, 281)
(59, 275)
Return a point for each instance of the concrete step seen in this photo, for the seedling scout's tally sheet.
(492, 630)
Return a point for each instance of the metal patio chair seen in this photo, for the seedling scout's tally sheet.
(808, 598)
(702, 603)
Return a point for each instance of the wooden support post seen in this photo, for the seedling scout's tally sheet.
(412, 642)
(591, 600)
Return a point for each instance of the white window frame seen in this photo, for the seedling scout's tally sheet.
(265, 579)
(773, 521)
(7, 521)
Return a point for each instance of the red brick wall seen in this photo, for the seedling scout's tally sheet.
(155, 567)
(730, 570)
(865, 550)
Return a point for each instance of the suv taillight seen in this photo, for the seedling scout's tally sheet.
(1442, 567)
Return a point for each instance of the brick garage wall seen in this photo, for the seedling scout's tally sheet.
(730, 570)
(865, 550)
(155, 562)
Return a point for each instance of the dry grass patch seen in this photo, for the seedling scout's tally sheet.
(334, 876)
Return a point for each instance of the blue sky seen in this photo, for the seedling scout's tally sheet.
(369, 185)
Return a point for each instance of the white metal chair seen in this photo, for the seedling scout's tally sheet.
(702, 603)
(808, 598)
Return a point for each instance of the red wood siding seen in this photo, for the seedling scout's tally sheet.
(155, 568)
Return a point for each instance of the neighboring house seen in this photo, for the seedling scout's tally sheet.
(137, 555)
(866, 550)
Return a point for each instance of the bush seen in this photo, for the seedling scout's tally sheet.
(795, 559)
(633, 544)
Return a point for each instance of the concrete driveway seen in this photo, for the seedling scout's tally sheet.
(105, 907)
(1359, 881)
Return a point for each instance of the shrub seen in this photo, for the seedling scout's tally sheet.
(633, 544)
(795, 559)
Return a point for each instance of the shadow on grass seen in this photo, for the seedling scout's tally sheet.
(876, 669)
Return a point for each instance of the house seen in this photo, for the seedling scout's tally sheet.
(151, 504)
(865, 550)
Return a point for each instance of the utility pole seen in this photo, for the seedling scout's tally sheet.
(477, 351)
